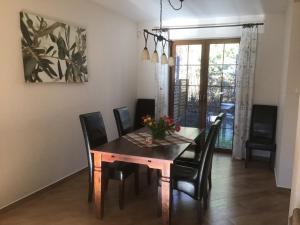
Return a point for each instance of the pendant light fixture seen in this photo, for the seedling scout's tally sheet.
(155, 57)
(164, 58)
(145, 53)
(158, 37)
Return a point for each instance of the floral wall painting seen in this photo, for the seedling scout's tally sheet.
(52, 51)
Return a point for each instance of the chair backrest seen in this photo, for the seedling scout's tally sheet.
(123, 120)
(144, 107)
(217, 125)
(204, 165)
(94, 132)
(201, 144)
(263, 121)
(221, 117)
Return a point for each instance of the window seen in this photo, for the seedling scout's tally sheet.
(203, 85)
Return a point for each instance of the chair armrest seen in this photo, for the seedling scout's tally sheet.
(187, 163)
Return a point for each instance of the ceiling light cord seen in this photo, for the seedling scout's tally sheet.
(160, 16)
(174, 6)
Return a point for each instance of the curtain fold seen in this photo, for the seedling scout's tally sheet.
(161, 98)
(162, 83)
(244, 89)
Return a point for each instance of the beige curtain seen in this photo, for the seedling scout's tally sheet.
(162, 84)
(244, 89)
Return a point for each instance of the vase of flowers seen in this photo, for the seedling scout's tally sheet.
(159, 128)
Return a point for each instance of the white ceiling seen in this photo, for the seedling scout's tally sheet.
(148, 10)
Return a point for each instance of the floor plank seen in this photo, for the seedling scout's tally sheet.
(239, 197)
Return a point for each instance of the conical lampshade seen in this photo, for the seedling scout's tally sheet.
(145, 54)
(155, 58)
(164, 59)
(171, 61)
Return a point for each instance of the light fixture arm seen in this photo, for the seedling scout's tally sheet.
(146, 35)
(173, 7)
(160, 17)
(158, 37)
(164, 42)
(155, 42)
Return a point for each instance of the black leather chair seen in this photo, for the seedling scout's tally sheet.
(143, 107)
(262, 131)
(94, 136)
(218, 124)
(124, 126)
(193, 153)
(123, 121)
(193, 180)
(221, 117)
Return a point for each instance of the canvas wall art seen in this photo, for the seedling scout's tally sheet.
(53, 51)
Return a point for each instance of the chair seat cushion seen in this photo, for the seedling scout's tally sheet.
(120, 170)
(184, 179)
(261, 144)
(189, 156)
(193, 154)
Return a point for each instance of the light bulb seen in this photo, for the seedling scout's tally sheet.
(145, 54)
(171, 61)
(164, 59)
(155, 58)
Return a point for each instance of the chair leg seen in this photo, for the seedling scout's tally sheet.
(136, 182)
(91, 190)
(209, 181)
(205, 198)
(121, 194)
(159, 206)
(250, 155)
(248, 152)
(90, 196)
(149, 174)
(105, 184)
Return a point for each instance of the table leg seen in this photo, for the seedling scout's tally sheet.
(166, 194)
(98, 184)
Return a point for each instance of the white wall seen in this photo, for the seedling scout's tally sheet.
(40, 134)
(269, 60)
(295, 193)
(289, 99)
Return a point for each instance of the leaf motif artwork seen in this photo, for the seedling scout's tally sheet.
(52, 51)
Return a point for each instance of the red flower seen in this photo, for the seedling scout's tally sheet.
(177, 127)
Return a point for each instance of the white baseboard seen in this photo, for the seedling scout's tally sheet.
(40, 189)
(277, 184)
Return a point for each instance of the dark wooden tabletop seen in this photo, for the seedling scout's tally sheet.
(169, 152)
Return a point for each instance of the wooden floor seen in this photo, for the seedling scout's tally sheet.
(239, 197)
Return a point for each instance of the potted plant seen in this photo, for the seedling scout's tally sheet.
(161, 127)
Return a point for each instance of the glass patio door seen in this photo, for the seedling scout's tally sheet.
(221, 88)
(187, 85)
(203, 85)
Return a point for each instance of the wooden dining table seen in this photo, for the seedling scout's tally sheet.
(160, 158)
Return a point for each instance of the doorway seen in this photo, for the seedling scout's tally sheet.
(203, 85)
